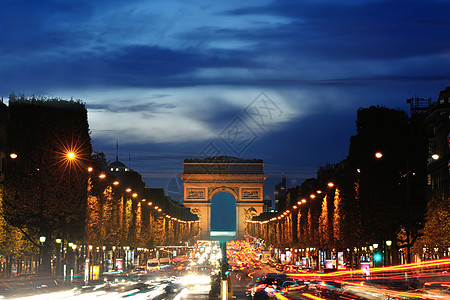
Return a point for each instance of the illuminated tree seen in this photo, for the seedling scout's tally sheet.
(436, 232)
(338, 233)
(324, 225)
(300, 228)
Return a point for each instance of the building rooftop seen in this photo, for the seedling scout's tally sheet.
(222, 159)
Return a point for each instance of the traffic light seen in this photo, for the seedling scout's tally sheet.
(377, 257)
(225, 267)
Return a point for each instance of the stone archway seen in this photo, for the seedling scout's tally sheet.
(242, 178)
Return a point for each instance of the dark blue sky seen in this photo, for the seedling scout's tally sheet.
(168, 78)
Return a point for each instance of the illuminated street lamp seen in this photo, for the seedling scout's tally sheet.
(435, 156)
(330, 184)
(13, 155)
(388, 254)
(378, 155)
(71, 155)
(312, 196)
(102, 175)
(42, 239)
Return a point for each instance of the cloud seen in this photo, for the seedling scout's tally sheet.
(186, 115)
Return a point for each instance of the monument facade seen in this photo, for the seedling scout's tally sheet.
(242, 178)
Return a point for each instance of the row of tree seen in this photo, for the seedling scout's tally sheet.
(48, 191)
(372, 198)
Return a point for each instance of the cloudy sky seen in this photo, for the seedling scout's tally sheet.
(276, 80)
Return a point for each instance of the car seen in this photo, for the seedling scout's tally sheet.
(289, 268)
(270, 277)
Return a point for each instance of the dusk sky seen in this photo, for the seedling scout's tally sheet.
(275, 80)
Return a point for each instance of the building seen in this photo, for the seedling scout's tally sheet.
(267, 205)
(437, 120)
(280, 194)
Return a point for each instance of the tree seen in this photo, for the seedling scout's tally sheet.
(44, 190)
(392, 188)
(436, 232)
(324, 225)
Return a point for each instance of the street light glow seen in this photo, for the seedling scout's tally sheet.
(71, 155)
(330, 184)
(13, 155)
(378, 155)
(435, 156)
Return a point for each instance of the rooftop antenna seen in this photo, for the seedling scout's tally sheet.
(117, 150)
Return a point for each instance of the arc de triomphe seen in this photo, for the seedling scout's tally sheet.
(242, 178)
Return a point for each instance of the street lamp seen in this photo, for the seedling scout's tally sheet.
(388, 255)
(435, 156)
(13, 155)
(378, 155)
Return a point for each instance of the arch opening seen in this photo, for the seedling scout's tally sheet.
(223, 216)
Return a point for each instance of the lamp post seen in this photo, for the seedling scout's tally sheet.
(388, 253)
(41, 254)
